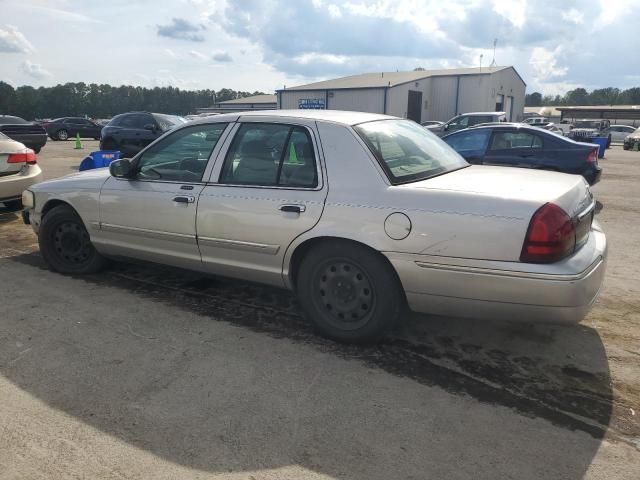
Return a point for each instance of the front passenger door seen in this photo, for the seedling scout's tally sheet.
(152, 216)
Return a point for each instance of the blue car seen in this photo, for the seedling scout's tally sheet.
(518, 145)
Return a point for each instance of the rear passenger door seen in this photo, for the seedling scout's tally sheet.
(266, 189)
(515, 148)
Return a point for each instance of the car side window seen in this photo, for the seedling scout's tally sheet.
(270, 155)
(458, 123)
(508, 140)
(182, 156)
(473, 142)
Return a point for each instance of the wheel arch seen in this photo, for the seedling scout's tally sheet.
(53, 203)
(297, 254)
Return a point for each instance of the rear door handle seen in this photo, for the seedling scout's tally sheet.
(293, 208)
(184, 199)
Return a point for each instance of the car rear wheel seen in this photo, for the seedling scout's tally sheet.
(65, 244)
(62, 134)
(350, 294)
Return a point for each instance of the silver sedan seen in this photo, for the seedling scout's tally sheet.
(18, 170)
(360, 214)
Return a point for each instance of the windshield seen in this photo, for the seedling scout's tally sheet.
(167, 122)
(407, 151)
(585, 124)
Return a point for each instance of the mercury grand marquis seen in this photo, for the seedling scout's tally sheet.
(359, 214)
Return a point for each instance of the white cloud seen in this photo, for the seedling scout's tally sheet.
(13, 41)
(198, 55)
(574, 16)
(513, 10)
(545, 64)
(35, 70)
(334, 11)
(170, 53)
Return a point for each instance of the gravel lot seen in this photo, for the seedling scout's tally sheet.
(150, 372)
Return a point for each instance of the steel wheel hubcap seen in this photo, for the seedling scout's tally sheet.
(71, 242)
(345, 294)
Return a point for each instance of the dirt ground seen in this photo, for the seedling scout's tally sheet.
(151, 372)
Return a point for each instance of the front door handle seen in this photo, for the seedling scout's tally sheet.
(184, 199)
(292, 208)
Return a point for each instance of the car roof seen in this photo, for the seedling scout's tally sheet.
(482, 113)
(334, 116)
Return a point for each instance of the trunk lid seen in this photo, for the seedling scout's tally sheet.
(8, 147)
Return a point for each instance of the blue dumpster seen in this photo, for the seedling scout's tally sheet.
(99, 159)
(602, 145)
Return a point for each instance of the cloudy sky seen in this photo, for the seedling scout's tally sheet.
(265, 44)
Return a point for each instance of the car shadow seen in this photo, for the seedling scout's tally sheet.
(190, 397)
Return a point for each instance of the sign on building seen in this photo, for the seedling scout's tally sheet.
(311, 104)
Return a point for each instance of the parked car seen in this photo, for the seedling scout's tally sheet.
(467, 120)
(553, 128)
(30, 134)
(432, 123)
(620, 132)
(631, 140)
(406, 220)
(130, 132)
(537, 121)
(18, 171)
(63, 128)
(517, 145)
(587, 130)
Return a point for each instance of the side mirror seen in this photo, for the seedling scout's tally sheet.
(121, 168)
(150, 126)
(446, 127)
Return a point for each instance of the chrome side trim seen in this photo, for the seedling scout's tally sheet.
(512, 273)
(240, 245)
(145, 232)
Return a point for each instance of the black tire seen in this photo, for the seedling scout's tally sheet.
(37, 149)
(609, 141)
(62, 134)
(13, 205)
(349, 293)
(65, 244)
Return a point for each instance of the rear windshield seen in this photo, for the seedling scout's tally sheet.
(407, 151)
(9, 120)
(167, 122)
(584, 124)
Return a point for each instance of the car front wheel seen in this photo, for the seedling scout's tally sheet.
(65, 244)
(62, 134)
(351, 294)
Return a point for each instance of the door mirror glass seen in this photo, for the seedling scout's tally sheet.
(120, 168)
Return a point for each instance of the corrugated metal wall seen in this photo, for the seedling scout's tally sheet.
(443, 98)
(398, 96)
(507, 83)
(369, 100)
(475, 95)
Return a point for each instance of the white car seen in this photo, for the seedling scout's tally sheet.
(360, 214)
(18, 170)
(620, 132)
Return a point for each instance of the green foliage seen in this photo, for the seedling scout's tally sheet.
(580, 96)
(104, 101)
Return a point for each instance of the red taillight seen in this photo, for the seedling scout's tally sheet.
(593, 156)
(25, 156)
(550, 237)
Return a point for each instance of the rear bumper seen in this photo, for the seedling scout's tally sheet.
(562, 292)
(592, 176)
(12, 186)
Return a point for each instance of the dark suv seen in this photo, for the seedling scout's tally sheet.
(131, 132)
(69, 127)
(586, 130)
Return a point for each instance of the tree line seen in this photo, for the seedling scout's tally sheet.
(580, 96)
(104, 101)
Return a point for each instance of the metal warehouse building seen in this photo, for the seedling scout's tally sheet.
(419, 95)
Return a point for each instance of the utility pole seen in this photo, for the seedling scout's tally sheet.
(481, 62)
